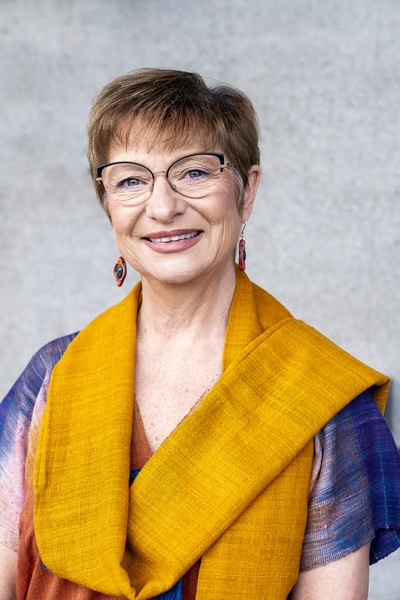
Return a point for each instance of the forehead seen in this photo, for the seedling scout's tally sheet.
(142, 136)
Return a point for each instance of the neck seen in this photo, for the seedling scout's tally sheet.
(200, 307)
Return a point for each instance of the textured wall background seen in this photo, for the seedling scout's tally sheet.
(325, 237)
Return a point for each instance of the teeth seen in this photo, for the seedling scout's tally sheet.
(174, 238)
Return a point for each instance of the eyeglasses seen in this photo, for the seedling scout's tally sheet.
(193, 176)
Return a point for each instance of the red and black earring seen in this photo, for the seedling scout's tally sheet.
(120, 271)
(242, 250)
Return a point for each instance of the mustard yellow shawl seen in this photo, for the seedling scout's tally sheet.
(230, 484)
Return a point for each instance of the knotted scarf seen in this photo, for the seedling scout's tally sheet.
(230, 484)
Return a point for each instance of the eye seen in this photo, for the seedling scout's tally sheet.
(127, 178)
(194, 174)
(130, 182)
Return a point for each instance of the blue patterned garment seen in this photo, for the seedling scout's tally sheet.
(355, 489)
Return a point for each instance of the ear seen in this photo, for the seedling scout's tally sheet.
(250, 191)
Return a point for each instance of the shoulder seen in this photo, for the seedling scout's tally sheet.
(355, 487)
(49, 354)
(26, 389)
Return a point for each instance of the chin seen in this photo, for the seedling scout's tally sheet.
(177, 276)
(174, 272)
(184, 274)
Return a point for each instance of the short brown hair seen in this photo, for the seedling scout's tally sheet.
(174, 107)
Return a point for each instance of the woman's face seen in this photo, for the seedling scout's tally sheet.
(208, 228)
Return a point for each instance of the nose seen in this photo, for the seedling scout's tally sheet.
(164, 203)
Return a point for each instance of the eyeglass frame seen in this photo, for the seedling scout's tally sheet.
(219, 155)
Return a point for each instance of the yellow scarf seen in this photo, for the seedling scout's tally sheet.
(221, 486)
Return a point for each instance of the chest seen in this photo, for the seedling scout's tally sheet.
(169, 387)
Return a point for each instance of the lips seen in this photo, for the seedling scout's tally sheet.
(170, 242)
(173, 236)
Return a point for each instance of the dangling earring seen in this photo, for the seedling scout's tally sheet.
(242, 250)
(120, 271)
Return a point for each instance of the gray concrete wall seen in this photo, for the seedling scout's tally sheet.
(325, 238)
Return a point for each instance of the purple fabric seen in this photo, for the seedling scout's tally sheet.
(16, 413)
(355, 492)
(382, 466)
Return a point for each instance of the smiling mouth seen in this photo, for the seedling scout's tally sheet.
(174, 238)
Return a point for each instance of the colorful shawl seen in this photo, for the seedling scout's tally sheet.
(220, 487)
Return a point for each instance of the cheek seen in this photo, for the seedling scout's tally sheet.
(123, 220)
(227, 225)
(229, 213)
(225, 206)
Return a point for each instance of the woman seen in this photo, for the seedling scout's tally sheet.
(244, 419)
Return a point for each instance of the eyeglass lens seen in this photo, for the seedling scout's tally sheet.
(192, 176)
